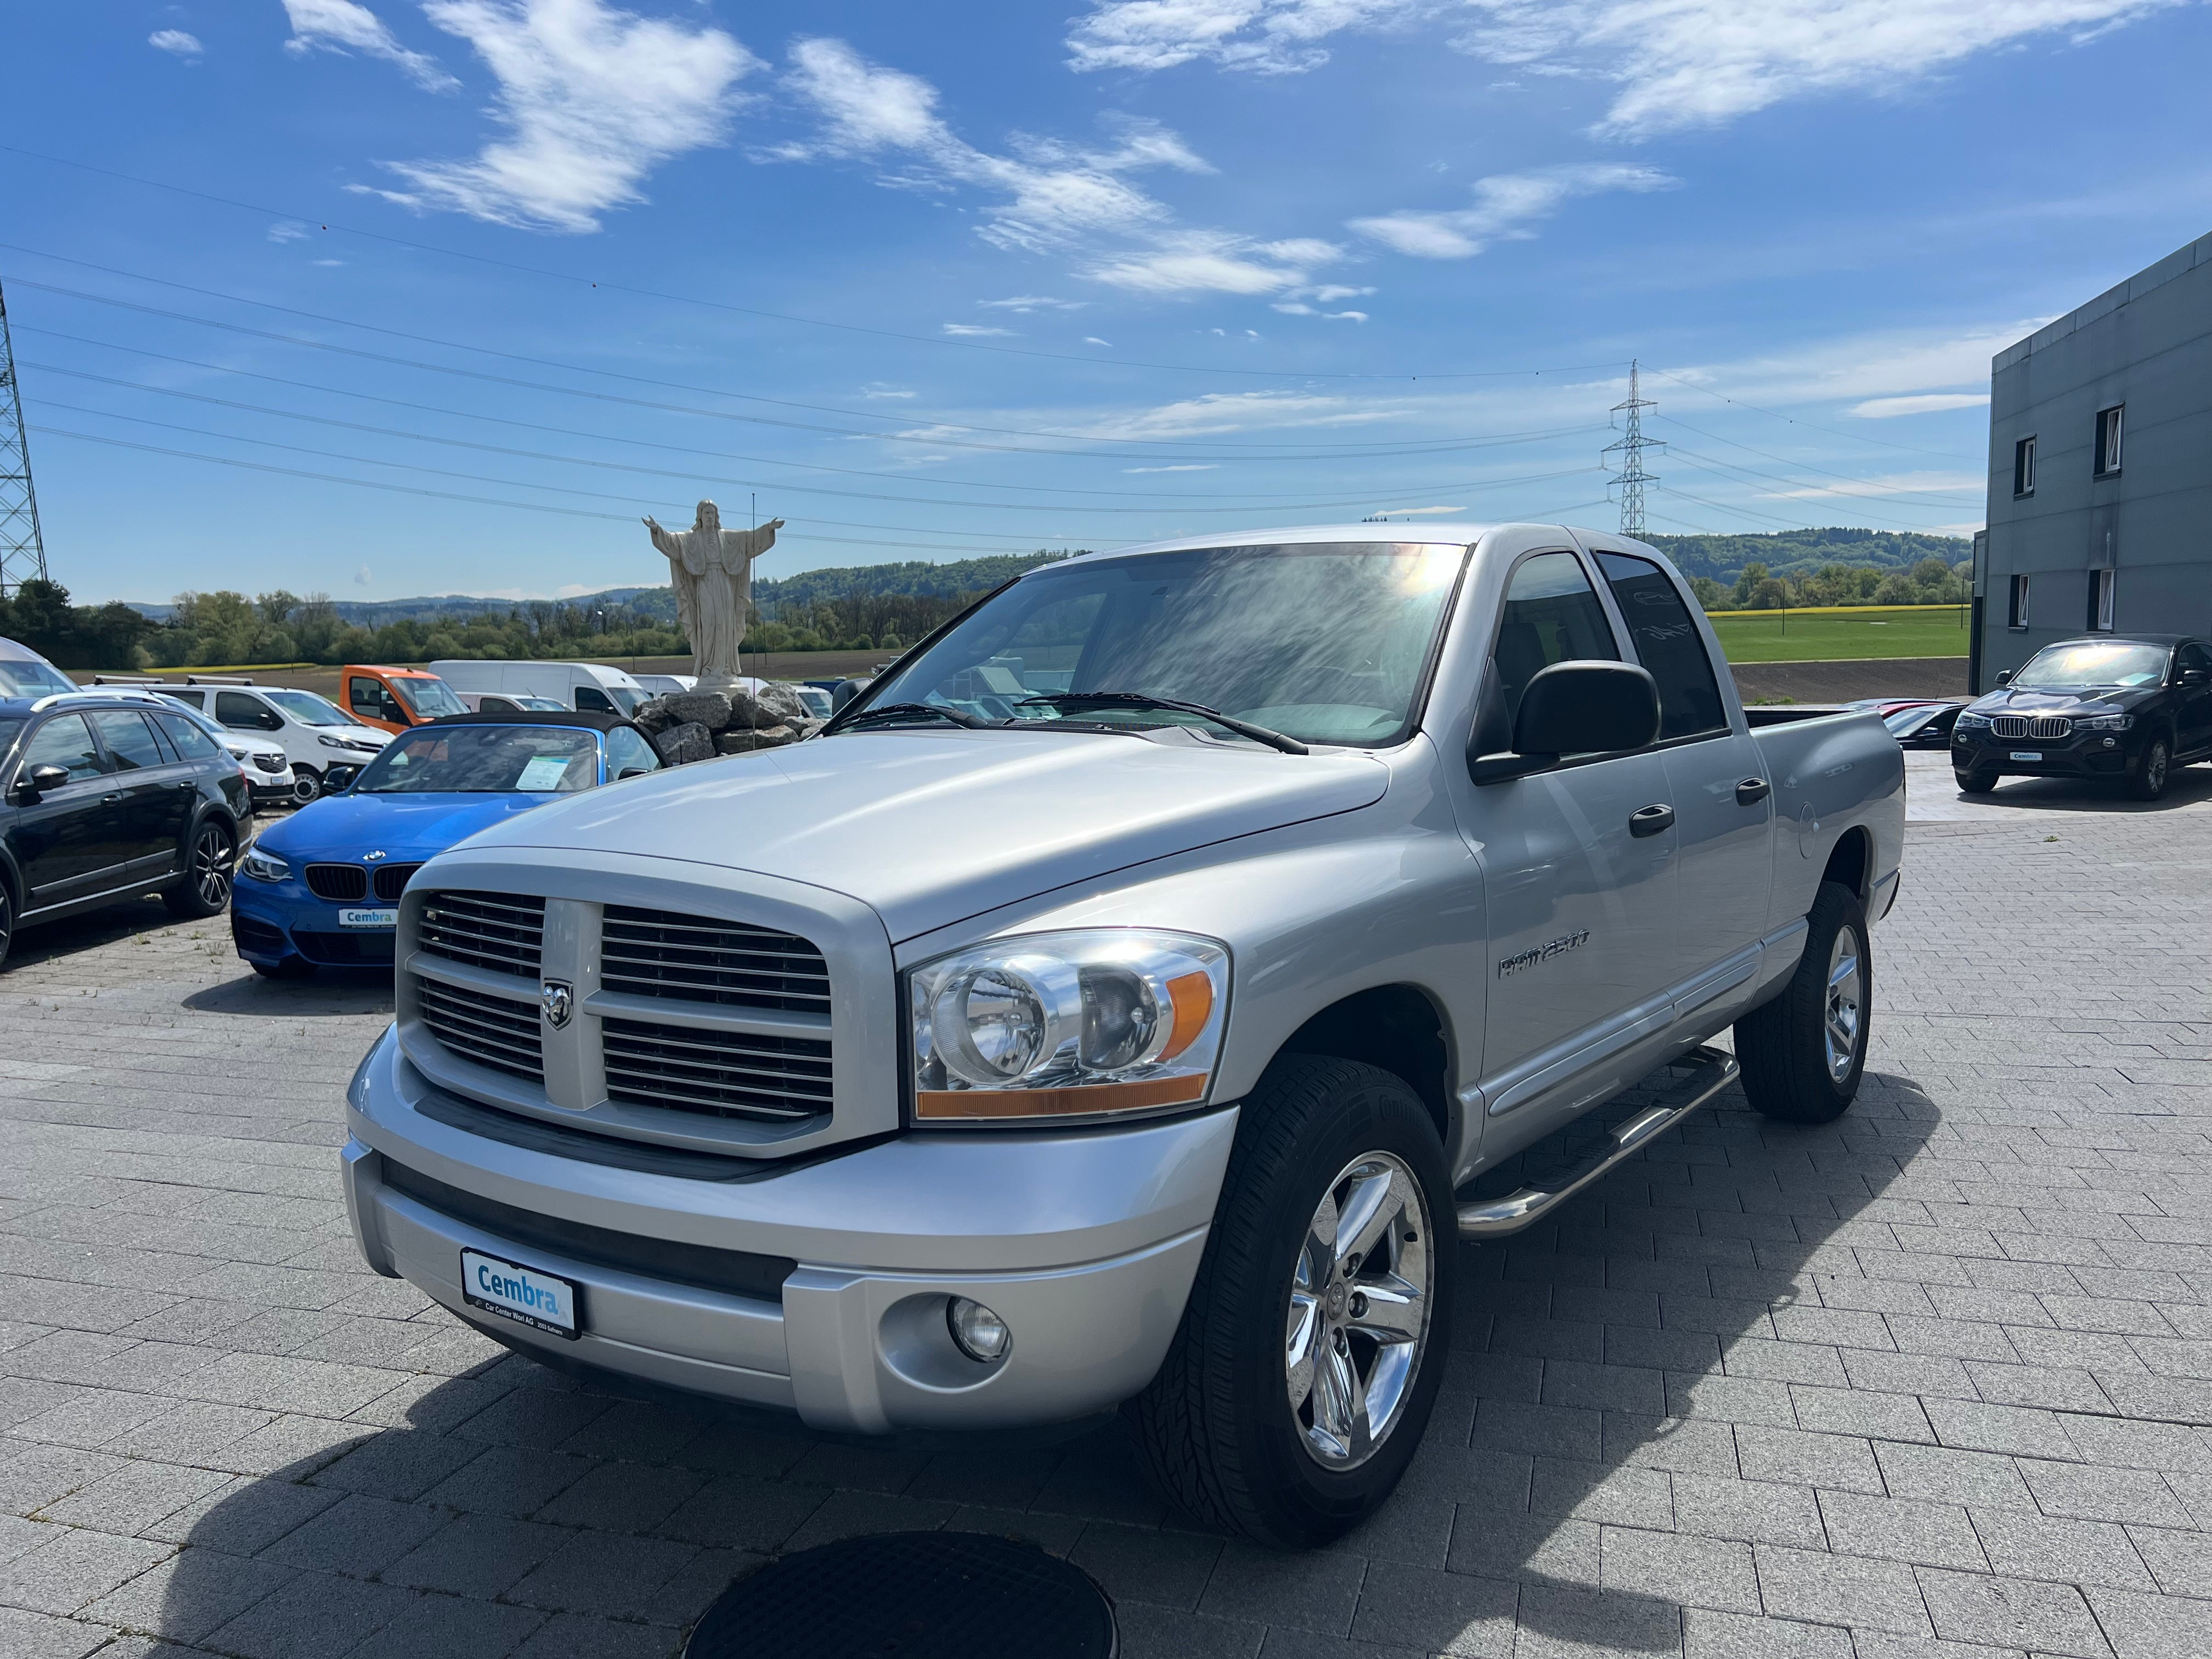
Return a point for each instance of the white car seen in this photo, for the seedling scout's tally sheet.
(268, 774)
(313, 733)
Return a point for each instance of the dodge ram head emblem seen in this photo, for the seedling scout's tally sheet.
(559, 1001)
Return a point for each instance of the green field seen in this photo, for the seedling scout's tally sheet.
(1904, 631)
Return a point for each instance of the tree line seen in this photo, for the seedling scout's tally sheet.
(1931, 581)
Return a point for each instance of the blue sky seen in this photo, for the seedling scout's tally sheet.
(935, 280)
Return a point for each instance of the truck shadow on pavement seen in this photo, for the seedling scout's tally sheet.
(332, 991)
(1616, 1430)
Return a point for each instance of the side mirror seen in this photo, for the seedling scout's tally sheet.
(271, 720)
(336, 779)
(2195, 677)
(843, 693)
(1576, 708)
(2004, 677)
(31, 785)
(633, 772)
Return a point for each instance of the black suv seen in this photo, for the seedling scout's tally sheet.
(105, 803)
(2130, 707)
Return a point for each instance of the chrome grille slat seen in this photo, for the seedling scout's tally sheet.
(721, 1073)
(2049, 727)
(502, 931)
(492, 1032)
(660, 953)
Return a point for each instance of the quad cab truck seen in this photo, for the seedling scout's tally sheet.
(1132, 998)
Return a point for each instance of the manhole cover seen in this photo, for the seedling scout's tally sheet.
(910, 1596)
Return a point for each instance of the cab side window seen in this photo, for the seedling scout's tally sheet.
(2194, 660)
(64, 741)
(1550, 615)
(129, 740)
(243, 713)
(590, 698)
(367, 696)
(1666, 642)
(628, 752)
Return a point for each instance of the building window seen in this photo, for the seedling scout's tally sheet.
(2108, 439)
(2023, 467)
(2101, 584)
(2016, 605)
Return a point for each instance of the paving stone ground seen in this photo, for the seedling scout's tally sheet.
(1934, 1382)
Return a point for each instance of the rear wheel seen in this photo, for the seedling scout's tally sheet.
(205, 889)
(1804, 1052)
(2146, 779)
(306, 784)
(1979, 781)
(1312, 1346)
(7, 922)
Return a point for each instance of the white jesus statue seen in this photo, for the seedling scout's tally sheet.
(712, 569)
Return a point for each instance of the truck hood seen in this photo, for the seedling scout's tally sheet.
(404, 828)
(928, 827)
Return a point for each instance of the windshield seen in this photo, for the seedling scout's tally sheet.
(1329, 642)
(27, 677)
(2079, 668)
(430, 697)
(484, 760)
(625, 698)
(1906, 720)
(309, 709)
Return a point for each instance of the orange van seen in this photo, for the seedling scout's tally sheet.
(393, 699)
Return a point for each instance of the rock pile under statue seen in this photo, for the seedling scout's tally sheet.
(696, 726)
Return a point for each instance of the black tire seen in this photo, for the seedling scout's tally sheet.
(203, 889)
(2153, 771)
(306, 785)
(7, 923)
(1794, 1068)
(1220, 1431)
(1975, 783)
(290, 968)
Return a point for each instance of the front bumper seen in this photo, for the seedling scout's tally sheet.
(2087, 755)
(276, 922)
(1084, 1243)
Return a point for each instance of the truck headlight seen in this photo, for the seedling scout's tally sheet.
(1055, 1026)
(2104, 723)
(263, 867)
(1972, 723)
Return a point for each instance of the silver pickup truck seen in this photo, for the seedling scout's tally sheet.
(1132, 998)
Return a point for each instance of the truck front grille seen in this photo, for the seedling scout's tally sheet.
(2041, 725)
(502, 931)
(661, 953)
(489, 1030)
(340, 883)
(721, 1073)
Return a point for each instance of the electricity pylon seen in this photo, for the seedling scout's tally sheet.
(1632, 477)
(22, 554)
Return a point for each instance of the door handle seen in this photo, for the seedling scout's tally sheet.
(109, 801)
(188, 784)
(1749, 792)
(1651, 820)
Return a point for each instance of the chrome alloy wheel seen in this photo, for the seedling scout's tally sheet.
(2155, 767)
(1844, 1013)
(1358, 1319)
(213, 855)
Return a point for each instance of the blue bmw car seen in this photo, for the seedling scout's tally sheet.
(322, 888)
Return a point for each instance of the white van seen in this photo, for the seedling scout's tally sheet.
(314, 733)
(584, 685)
(659, 685)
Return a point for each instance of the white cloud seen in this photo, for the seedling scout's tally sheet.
(1243, 411)
(1901, 483)
(1092, 339)
(965, 331)
(1025, 303)
(1701, 62)
(175, 42)
(1187, 467)
(1344, 316)
(592, 97)
(326, 261)
(1505, 205)
(344, 26)
(1268, 37)
(1199, 262)
(286, 230)
(1884, 409)
(1857, 368)
(1053, 194)
(877, 389)
(361, 578)
(1413, 512)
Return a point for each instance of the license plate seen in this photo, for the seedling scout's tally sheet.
(373, 918)
(2026, 754)
(542, 1301)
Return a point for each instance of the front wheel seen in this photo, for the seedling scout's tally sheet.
(306, 785)
(1313, 1344)
(205, 889)
(2146, 781)
(1804, 1052)
(1975, 782)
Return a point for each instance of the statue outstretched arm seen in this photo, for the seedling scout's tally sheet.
(670, 546)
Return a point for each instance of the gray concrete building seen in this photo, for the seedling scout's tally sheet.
(2100, 471)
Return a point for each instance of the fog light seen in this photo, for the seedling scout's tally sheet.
(979, 1333)
(2111, 743)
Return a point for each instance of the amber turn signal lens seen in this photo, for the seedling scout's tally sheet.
(1192, 995)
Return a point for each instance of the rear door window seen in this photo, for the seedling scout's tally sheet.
(189, 740)
(1668, 644)
(129, 740)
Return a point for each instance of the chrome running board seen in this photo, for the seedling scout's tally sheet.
(1711, 1070)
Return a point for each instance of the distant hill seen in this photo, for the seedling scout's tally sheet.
(1800, 552)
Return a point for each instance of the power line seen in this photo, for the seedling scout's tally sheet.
(781, 316)
(22, 548)
(1734, 473)
(1806, 467)
(1855, 437)
(1632, 477)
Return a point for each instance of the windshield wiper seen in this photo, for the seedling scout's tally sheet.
(1145, 700)
(923, 710)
